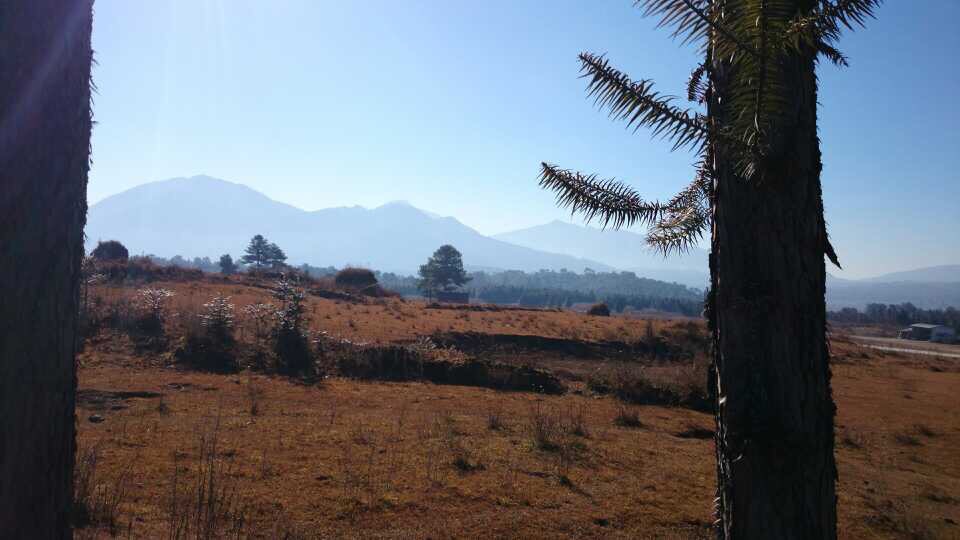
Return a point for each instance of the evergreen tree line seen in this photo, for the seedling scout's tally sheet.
(897, 314)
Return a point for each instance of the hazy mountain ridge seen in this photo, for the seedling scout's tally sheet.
(621, 249)
(204, 216)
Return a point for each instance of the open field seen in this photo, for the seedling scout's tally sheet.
(340, 457)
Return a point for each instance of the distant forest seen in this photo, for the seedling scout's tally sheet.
(897, 314)
(546, 288)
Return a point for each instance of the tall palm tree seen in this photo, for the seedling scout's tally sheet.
(757, 190)
(45, 123)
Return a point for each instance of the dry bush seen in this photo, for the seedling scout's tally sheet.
(143, 270)
(495, 419)
(96, 501)
(162, 408)
(690, 336)
(544, 428)
(907, 439)
(259, 318)
(208, 342)
(254, 394)
(577, 422)
(599, 310)
(152, 304)
(291, 344)
(627, 416)
(852, 438)
(355, 278)
(683, 384)
(206, 503)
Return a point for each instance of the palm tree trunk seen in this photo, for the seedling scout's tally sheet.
(775, 461)
(45, 59)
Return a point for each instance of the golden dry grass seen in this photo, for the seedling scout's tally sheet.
(410, 460)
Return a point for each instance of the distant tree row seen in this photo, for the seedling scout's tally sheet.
(897, 314)
(259, 253)
(620, 291)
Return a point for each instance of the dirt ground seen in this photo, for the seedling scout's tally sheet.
(359, 459)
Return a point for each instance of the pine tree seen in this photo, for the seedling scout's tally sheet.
(227, 266)
(275, 256)
(443, 271)
(258, 252)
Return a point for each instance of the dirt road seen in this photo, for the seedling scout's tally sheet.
(908, 346)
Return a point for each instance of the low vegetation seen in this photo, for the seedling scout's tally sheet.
(465, 412)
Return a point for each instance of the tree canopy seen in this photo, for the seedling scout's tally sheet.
(227, 266)
(260, 253)
(111, 250)
(443, 271)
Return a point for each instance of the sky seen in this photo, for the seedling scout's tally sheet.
(452, 105)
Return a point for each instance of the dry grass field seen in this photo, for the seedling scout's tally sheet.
(167, 451)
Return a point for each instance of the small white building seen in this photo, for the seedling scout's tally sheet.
(929, 332)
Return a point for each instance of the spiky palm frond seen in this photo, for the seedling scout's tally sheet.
(822, 27)
(640, 105)
(694, 21)
(679, 231)
(697, 86)
(674, 226)
(612, 201)
(831, 17)
(687, 216)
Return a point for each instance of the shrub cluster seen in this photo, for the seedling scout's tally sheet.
(355, 278)
(212, 346)
(600, 310)
(631, 384)
(291, 344)
(111, 250)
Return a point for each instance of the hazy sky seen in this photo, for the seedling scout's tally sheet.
(452, 105)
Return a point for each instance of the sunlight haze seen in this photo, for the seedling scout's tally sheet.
(453, 105)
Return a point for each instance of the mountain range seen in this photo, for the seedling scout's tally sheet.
(204, 216)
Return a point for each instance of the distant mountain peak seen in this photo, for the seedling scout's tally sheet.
(398, 202)
(401, 203)
(201, 216)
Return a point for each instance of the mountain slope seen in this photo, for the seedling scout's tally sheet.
(622, 249)
(949, 273)
(204, 216)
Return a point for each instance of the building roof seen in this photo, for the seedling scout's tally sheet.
(925, 326)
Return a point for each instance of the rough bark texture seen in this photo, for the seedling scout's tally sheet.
(45, 59)
(776, 468)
